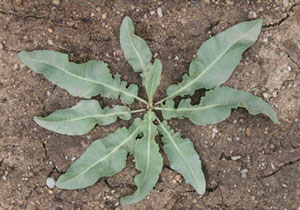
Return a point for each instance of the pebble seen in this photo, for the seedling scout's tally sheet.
(285, 3)
(16, 67)
(56, 2)
(235, 157)
(248, 131)
(265, 95)
(152, 13)
(1, 46)
(50, 182)
(244, 176)
(252, 15)
(284, 185)
(265, 40)
(159, 12)
(104, 16)
(19, 2)
(244, 171)
(50, 30)
(214, 132)
(289, 68)
(50, 42)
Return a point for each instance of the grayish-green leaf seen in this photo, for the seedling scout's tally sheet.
(183, 157)
(216, 106)
(82, 80)
(135, 49)
(81, 118)
(104, 157)
(153, 80)
(148, 161)
(217, 58)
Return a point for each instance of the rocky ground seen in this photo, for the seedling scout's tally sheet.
(249, 162)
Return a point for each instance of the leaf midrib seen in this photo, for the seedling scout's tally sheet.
(86, 79)
(148, 148)
(180, 153)
(85, 117)
(210, 65)
(135, 50)
(106, 156)
(191, 108)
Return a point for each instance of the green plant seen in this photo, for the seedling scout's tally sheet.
(212, 66)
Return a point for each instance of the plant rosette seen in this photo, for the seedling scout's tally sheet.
(212, 66)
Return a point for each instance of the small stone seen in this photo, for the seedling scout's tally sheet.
(50, 182)
(56, 2)
(252, 15)
(289, 68)
(229, 2)
(285, 3)
(176, 58)
(244, 176)
(50, 30)
(152, 13)
(244, 171)
(265, 40)
(1, 46)
(19, 2)
(214, 132)
(284, 185)
(16, 67)
(159, 12)
(235, 157)
(248, 131)
(178, 178)
(266, 95)
(104, 16)
(50, 42)
(274, 94)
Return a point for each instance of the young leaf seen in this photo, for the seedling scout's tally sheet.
(148, 161)
(183, 157)
(216, 106)
(153, 80)
(104, 157)
(135, 49)
(82, 80)
(81, 118)
(217, 58)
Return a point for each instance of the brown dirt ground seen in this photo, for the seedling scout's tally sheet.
(90, 30)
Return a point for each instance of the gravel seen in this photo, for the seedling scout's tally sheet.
(159, 12)
(50, 182)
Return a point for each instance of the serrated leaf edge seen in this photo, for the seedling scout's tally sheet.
(89, 80)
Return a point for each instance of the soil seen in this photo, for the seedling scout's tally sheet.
(90, 30)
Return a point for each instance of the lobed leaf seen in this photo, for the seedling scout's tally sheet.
(148, 161)
(183, 157)
(135, 49)
(104, 157)
(82, 80)
(217, 58)
(81, 118)
(153, 80)
(216, 106)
